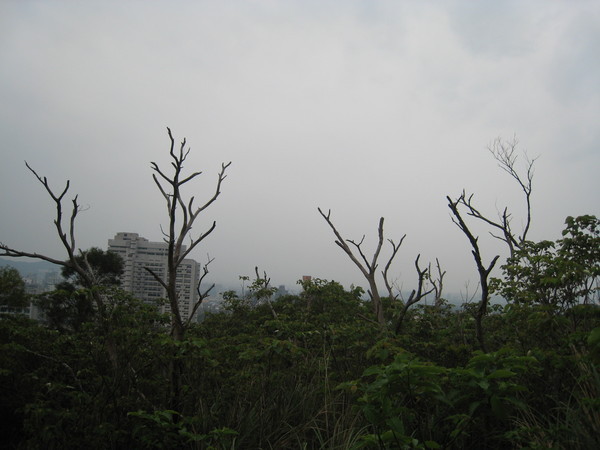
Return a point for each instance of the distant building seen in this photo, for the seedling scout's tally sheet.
(137, 253)
(281, 291)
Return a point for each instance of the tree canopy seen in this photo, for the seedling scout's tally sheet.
(12, 288)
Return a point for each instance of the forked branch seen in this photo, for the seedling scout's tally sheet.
(67, 237)
(505, 153)
(385, 272)
(182, 215)
(438, 283)
(482, 270)
(416, 295)
(367, 268)
(201, 294)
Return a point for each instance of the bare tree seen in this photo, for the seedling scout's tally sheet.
(505, 153)
(385, 272)
(88, 277)
(67, 238)
(367, 268)
(262, 290)
(182, 214)
(482, 270)
(416, 295)
(438, 283)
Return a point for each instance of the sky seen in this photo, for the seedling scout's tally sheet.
(366, 108)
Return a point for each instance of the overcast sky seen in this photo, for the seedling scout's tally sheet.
(367, 108)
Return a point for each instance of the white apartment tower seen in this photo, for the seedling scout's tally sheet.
(137, 253)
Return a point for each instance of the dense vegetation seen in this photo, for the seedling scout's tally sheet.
(316, 370)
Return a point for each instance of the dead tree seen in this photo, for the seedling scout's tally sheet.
(385, 272)
(87, 276)
(182, 215)
(438, 283)
(262, 290)
(505, 153)
(483, 271)
(415, 296)
(367, 268)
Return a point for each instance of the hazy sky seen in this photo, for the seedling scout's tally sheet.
(370, 108)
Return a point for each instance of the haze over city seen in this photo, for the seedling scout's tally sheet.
(366, 108)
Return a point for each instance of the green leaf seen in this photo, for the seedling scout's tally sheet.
(498, 407)
(501, 373)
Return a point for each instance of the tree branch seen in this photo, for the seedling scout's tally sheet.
(385, 271)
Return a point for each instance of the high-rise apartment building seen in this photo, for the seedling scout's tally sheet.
(137, 253)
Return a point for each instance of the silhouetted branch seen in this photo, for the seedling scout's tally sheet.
(201, 295)
(385, 271)
(367, 268)
(483, 271)
(182, 215)
(438, 284)
(504, 152)
(416, 295)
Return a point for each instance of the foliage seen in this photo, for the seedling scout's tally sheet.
(415, 404)
(558, 274)
(71, 303)
(311, 371)
(66, 307)
(12, 288)
(107, 266)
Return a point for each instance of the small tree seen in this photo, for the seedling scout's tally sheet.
(107, 267)
(69, 304)
(505, 153)
(416, 295)
(482, 270)
(369, 270)
(12, 288)
(437, 283)
(76, 262)
(558, 274)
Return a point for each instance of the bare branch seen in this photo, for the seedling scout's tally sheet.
(201, 295)
(12, 253)
(67, 238)
(416, 295)
(385, 271)
(195, 242)
(360, 252)
(341, 242)
(368, 269)
(438, 284)
(379, 244)
(483, 271)
(87, 275)
(505, 154)
(182, 216)
(156, 277)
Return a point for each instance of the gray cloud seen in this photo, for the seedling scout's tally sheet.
(366, 108)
